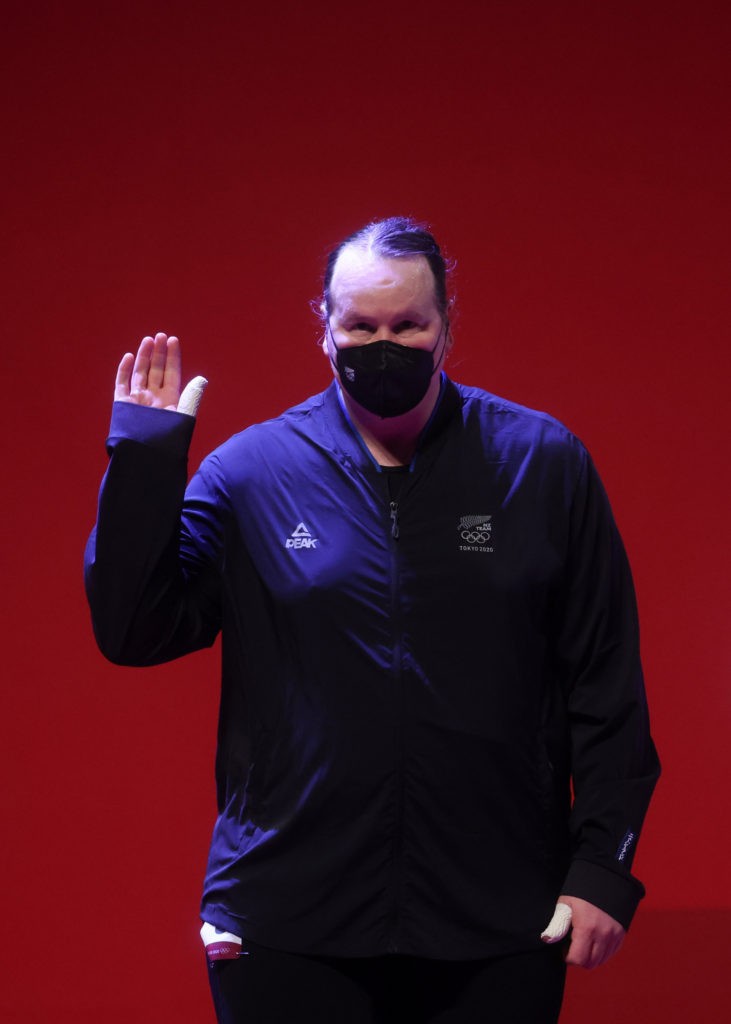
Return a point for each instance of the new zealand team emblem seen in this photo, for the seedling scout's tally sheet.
(475, 533)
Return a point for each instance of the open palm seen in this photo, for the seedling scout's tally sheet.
(153, 376)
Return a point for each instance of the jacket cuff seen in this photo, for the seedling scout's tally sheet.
(166, 431)
(615, 894)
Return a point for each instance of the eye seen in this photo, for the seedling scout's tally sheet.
(406, 325)
(360, 326)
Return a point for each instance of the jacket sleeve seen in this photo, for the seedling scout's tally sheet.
(151, 571)
(614, 765)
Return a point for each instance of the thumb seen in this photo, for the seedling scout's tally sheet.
(558, 927)
(191, 397)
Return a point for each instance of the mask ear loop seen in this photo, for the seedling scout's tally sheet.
(335, 345)
(445, 323)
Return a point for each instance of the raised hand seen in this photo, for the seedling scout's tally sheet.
(153, 376)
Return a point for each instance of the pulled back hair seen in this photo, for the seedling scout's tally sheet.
(393, 237)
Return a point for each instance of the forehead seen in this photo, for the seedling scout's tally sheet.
(362, 280)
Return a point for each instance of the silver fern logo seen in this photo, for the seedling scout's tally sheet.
(475, 533)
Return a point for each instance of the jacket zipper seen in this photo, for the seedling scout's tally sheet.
(394, 520)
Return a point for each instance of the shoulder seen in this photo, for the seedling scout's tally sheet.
(514, 429)
(276, 440)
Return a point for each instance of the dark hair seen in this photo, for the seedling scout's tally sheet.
(393, 237)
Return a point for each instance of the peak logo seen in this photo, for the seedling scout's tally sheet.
(300, 538)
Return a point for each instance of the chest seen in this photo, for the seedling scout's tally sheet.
(454, 529)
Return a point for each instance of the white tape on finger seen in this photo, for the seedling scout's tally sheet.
(191, 396)
(558, 926)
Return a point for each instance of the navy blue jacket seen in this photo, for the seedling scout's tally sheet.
(411, 686)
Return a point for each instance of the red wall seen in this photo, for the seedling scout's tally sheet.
(185, 168)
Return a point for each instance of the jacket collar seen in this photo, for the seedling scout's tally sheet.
(349, 442)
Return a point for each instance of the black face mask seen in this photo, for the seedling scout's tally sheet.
(384, 377)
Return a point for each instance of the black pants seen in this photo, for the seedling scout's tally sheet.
(265, 986)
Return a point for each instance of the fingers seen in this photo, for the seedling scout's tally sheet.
(123, 378)
(190, 399)
(589, 951)
(595, 935)
(585, 948)
(173, 364)
(141, 369)
(165, 363)
(152, 376)
(158, 359)
(582, 951)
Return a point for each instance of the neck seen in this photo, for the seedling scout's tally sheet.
(393, 441)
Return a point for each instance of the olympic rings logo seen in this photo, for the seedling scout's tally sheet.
(473, 537)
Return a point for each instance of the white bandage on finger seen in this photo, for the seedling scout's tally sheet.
(191, 396)
(558, 926)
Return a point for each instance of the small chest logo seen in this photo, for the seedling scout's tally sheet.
(301, 538)
(475, 533)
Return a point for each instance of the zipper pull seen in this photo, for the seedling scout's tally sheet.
(394, 520)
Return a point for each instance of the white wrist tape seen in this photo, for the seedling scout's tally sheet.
(191, 396)
(558, 926)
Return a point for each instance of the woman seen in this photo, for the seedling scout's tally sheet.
(429, 635)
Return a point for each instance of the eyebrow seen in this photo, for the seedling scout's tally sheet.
(352, 313)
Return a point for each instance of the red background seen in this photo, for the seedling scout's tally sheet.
(185, 168)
